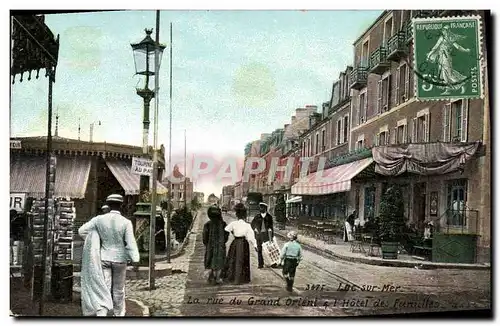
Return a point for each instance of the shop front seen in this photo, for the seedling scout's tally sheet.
(328, 194)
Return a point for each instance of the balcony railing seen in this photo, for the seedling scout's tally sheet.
(396, 46)
(378, 61)
(409, 31)
(359, 77)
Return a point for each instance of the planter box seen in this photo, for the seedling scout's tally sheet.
(454, 248)
(390, 250)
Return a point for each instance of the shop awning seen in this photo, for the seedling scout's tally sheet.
(129, 181)
(27, 175)
(330, 181)
(296, 199)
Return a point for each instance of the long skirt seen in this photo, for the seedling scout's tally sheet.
(237, 268)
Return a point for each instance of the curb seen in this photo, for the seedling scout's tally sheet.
(391, 263)
(145, 309)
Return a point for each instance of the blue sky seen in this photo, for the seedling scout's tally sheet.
(236, 74)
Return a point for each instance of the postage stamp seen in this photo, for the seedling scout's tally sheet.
(447, 58)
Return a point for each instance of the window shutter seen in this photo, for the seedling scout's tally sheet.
(414, 131)
(465, 120)
(396, 140)
(407, 82)
(398, 81)
(389, 92)
(427, 129)
(376, 140)
(405, 134)
(446, 122)
(388, 137)
(341, 135)
(379, 96)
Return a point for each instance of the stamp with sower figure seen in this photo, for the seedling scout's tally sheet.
(447, 58)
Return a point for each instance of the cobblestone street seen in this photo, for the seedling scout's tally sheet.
(386, 289)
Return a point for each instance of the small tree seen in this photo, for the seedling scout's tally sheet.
(181, 221)
(195, 205)
(280, 209)
(392, 219)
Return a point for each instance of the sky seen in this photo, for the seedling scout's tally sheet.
(236, 74)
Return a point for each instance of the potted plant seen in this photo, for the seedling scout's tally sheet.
(391, 221)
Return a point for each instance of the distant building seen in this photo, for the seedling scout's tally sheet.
(182, 190)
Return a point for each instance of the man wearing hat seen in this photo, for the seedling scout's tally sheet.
(118, 246)
(262, 224)
(105, 209)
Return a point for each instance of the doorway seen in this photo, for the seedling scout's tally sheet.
(419, 204)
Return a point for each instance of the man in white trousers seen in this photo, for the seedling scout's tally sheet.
(118, 246)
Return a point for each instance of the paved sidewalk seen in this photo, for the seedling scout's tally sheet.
(341, 250)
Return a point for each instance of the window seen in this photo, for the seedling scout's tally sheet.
(421, 127)
(316, 145)
(401, 134)
(323, 140)
(382, 138)
(365, 53)
(369, 211)
(346, 128)
(455, 121)
(339, 132)
(181, 196)
(362, 108)
(387, 29)
(402, 84)
(360, 144)
(384, 94)
(181, 186)
(457, 202)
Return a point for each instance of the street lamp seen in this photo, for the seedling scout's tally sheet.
(144, 59)
(91, 133)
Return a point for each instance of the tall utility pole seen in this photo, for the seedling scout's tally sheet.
(169, 211)
(152, 221)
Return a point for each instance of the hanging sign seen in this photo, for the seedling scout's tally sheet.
(15, 144)
(17, 201)
(142, 166)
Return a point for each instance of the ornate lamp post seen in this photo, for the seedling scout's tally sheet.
(144, 59)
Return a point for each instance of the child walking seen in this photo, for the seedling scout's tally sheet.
(291, 254)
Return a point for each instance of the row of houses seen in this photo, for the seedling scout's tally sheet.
(373, 131)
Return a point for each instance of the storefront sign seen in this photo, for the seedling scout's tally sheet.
(17, 201)
(142, 166)
(15, 144)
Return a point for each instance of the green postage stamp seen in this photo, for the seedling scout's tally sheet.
(447, 58)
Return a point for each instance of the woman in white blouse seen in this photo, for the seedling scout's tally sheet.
(237, 268)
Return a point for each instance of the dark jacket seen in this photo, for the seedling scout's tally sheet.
(214, 239)
(268, 223)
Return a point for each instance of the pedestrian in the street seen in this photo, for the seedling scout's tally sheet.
(214, 239)
(262, 224)
(349, 226)
(291, 255)
(237, 268)
(109, 245)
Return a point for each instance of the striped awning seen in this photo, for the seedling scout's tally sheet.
(27, 175)
(296, 199)
(129, 181)
(333, 180)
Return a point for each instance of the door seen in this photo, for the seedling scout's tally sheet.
(419, 204)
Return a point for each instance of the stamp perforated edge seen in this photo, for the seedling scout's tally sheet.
(480, 51)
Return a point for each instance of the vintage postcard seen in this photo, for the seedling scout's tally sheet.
(204, 163)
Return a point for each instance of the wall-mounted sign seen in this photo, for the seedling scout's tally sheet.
(17, 201)
(16, 144)
(142, 166)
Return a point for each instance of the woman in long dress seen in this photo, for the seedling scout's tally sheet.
(214, 239)
(237, 269)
